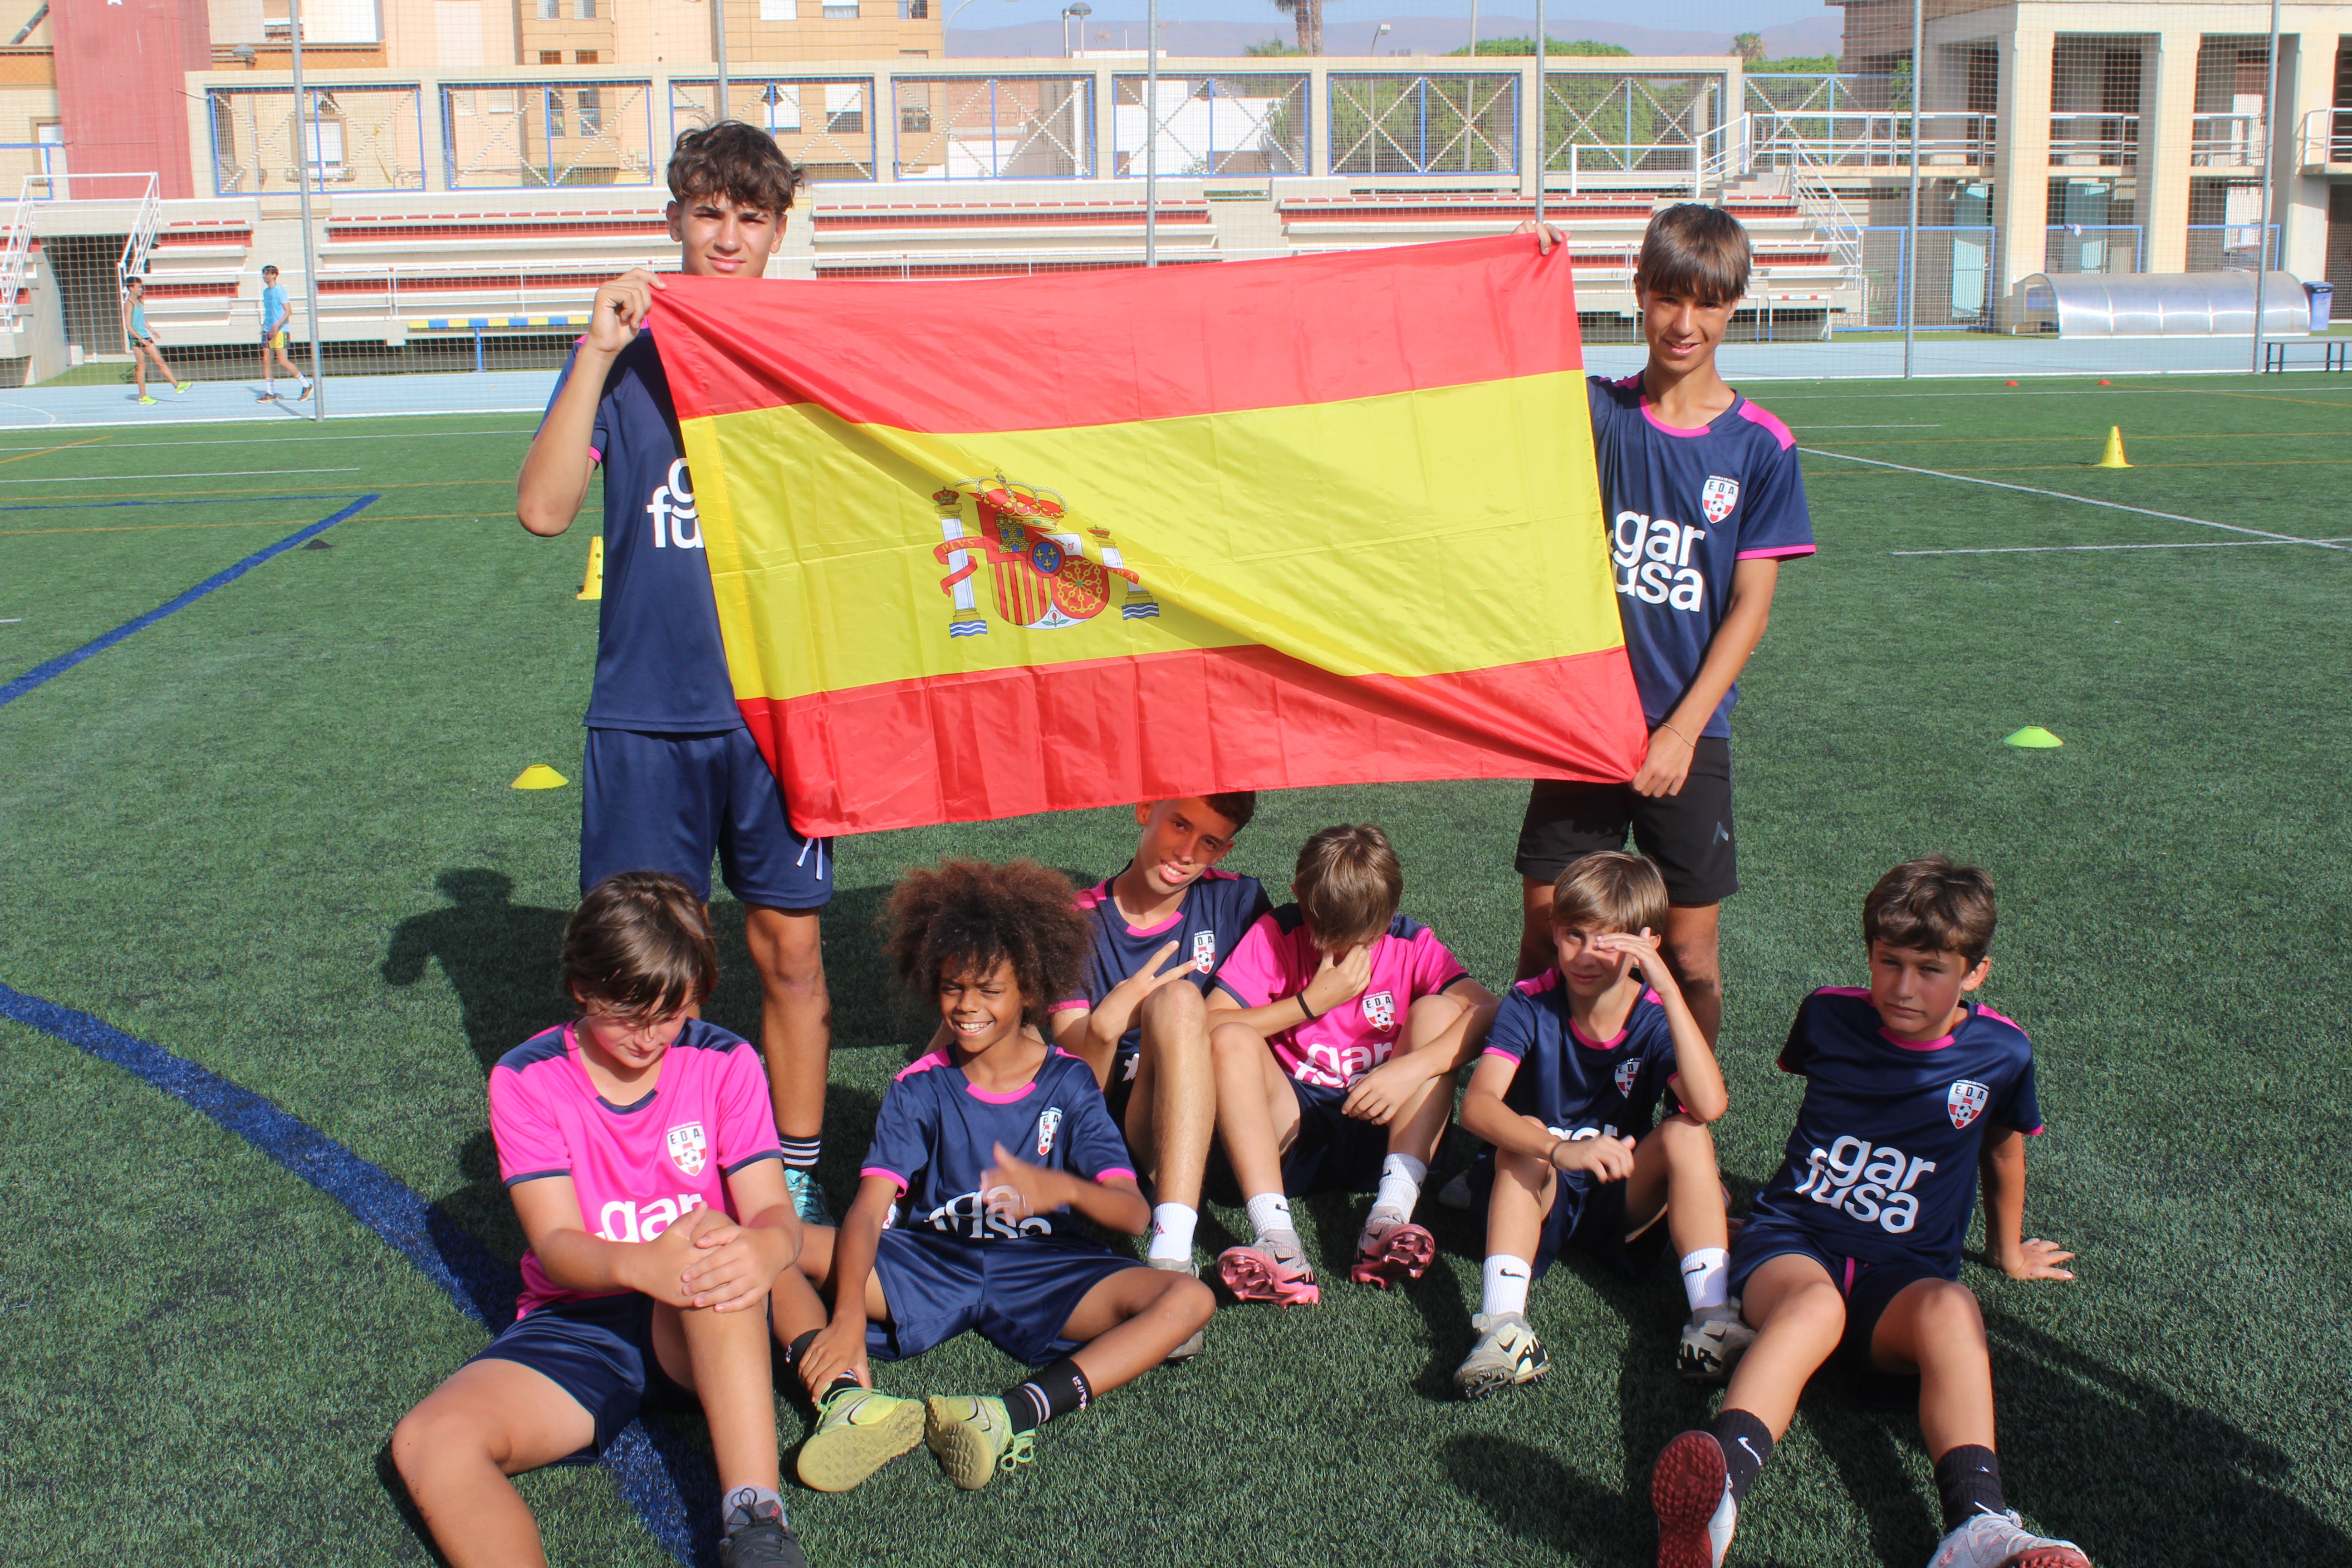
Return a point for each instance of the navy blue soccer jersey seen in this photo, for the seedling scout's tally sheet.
(660, 665)
(1883, 1162)
(937, 1135)
(1216, 912)
(1684, 507)
(1578, 1087)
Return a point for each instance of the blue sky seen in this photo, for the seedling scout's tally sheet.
(1697, 15)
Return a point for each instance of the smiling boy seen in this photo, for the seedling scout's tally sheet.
(671, 776)
(1704, 501)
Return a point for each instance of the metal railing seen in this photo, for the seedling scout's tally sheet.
(2226, 141)
(2231, 247)
(1238, 124)
(2326, 138)
(2092, 248)
(995, 127)
(141, 238)
(18, 254)
(2094, 141)
(1428, 122)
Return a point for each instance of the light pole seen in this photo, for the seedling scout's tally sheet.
(1151, 135)
(1074, 27)
(306, 128)
(719, 28)
(1378, 33)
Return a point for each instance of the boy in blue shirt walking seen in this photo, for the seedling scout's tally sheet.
(276, 312)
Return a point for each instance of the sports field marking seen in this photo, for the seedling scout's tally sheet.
(481, 1287)
(2060, 495)
(2281, 397)
(41, 675)
(126, 503)
(176, 498)
(2067, 548)
(270, 440)
(148, 527)
(219, 474)
(1989, 440)
(1937, 426)
(44, 451)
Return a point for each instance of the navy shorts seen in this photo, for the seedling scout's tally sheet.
(1016, 1294)
(600, 1351)
(1591, 1217)
(1334, 1152)
(1868, 1288)
(1689, 833)
(667, 802)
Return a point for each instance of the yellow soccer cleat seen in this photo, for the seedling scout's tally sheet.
(972, 1438)
(858, 1431)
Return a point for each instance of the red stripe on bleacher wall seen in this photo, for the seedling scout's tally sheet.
(966, 355)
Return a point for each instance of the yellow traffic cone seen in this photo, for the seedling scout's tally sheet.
(2113, 457)
(592, 586)
(538, 775)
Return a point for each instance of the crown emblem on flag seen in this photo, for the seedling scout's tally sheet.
(1045, 578)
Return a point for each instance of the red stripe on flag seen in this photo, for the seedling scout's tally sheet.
(962, 747)
(1078, 349)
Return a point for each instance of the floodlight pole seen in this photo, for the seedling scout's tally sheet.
(719, 26)
(305, 129)
(1542, 104)
(2270, 174)
(1151, 134)
(1911, 235)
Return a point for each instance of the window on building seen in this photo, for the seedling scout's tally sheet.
(550, 10)
(592, 112)
(844, 107)
(779, 107)
(780, 10)
(834, 12)
(583, 10)
(584, 58)
(551, 57)
(555, 114)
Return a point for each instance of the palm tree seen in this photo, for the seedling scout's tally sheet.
(1307, 16)
(1748, 46)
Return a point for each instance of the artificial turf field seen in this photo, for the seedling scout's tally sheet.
(272, 834)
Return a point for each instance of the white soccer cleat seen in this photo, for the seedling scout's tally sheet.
(2002, 1540)
(1712, 1343)
(1690, 1491)
(1507, 1354)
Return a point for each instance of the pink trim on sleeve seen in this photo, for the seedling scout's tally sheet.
(920, 1064)
(887, 1174)
(594, 457)
(1075, 1004)
(2000, 1018)
(1764, 416)
(1782, 552)
(1499, 1051)
(1106, 1174)
(1537, 984)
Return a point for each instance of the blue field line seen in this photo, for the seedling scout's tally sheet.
(648, 1471)
(40, 675)
(109, 505)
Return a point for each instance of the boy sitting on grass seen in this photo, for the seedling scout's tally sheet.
(637, 1144)
(1334, 1027)
(1566, 1093)
(988, 1157)
(1169, 915)
(1854, 1247)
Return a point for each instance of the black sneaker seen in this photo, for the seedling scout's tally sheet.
(757, 1536)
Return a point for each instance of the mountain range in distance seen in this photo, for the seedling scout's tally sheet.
(1347, 35)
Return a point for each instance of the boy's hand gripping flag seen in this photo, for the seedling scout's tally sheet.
(1011, 545)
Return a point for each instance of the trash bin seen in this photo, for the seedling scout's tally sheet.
(2323, 304)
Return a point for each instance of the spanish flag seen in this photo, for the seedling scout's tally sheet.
(992, 546)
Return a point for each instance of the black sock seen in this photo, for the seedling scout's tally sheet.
(799, 1348)
(1746, 1443)
(1054, 1391)
(1968, 1479)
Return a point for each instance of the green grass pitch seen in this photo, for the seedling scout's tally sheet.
(273, 834)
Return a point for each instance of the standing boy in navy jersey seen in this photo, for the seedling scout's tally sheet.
(1855, 1245)
(1169, 915)
(1704, 501)
(671, 774)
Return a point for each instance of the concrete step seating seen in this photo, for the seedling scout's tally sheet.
(882, 234)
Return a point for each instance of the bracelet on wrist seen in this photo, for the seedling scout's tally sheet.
(1678, 735)
(1311, 1014)
(1552, 1151)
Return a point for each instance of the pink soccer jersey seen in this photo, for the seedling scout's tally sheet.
(635, 1167)
(1277, 958)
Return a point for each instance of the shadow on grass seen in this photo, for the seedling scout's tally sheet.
(1540, 1501)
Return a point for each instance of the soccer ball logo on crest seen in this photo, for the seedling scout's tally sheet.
(1717, 497)
(1049, 1122)
(1380, 1009)
(686, 1147)
(1205, 950)
(1966, 1102)
(1628, 1072)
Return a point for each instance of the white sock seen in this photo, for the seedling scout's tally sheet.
(1270, 1211)
(1401, 1179)
(1172, 1231)
(1503, 1284)
(1705, 1278)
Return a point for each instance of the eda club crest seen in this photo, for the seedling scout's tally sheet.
(1379, 1010)
(1628, 1071)
(1717, 497)
(1043, 578)
(1965, 1101)
(689, 1147)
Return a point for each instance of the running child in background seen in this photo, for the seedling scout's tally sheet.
(671, 776)
(1161, 930)
(1704, 501)
(990, 1157)
(1854, 1247)
(1566, 1094)
(638, 1148)
(276, 310)
(1338, 1026)
(143, 341)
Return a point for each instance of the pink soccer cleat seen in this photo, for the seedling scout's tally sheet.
(1387, 1255)
(1260, 1273)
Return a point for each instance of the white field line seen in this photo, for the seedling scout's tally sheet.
(281, 437)
(2086, 500)
(132, 478)
(1874, 427)
(2064, 549)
